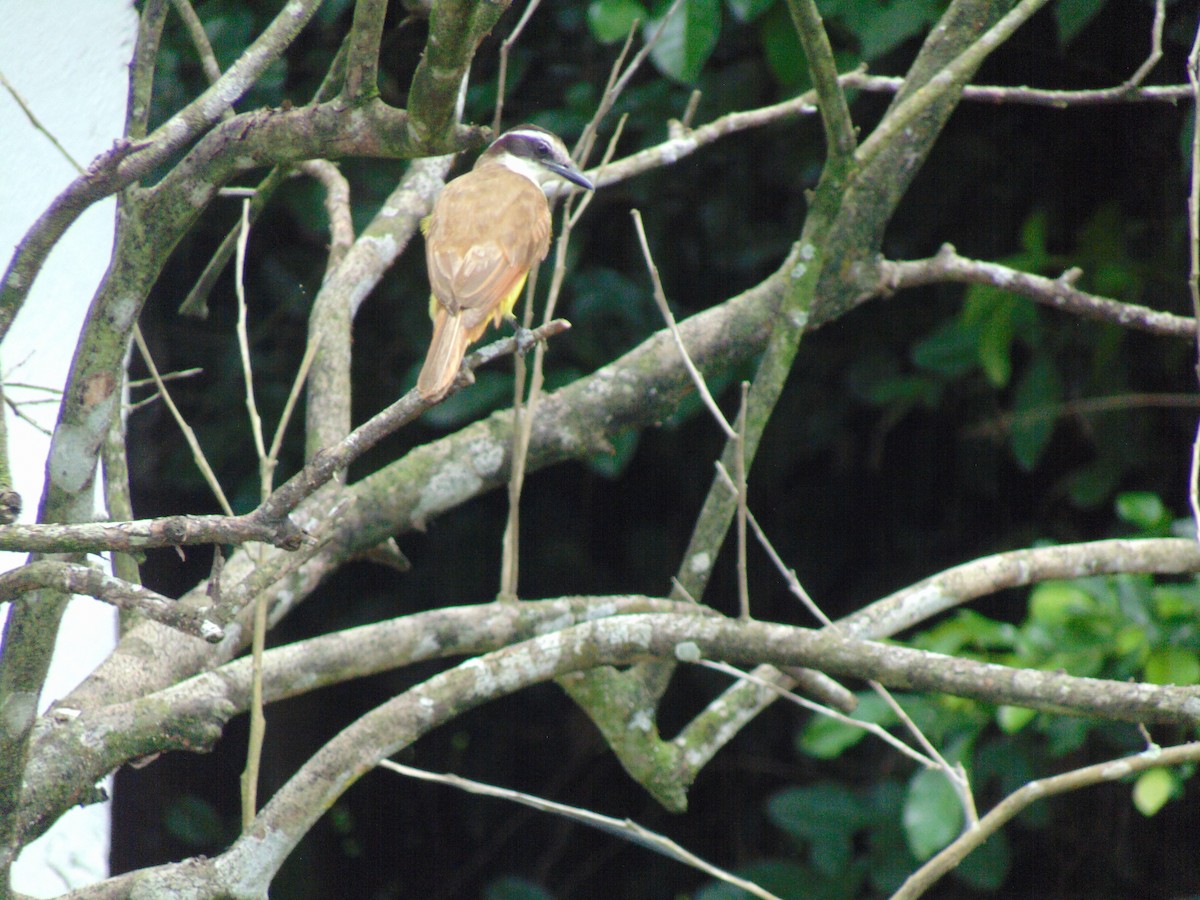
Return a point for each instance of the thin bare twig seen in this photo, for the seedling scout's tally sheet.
(76, 578)
(505, 48)
(265, 465)
(739, 471)
(36, 123)
(660, 298)
(623, 828)
(870, 727)
(1193, 208)
(1060, 292)
(1156, 33)
(1088, 776)
(199, 39)
(190, 436)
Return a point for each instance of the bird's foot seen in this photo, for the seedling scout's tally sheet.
(523, 336)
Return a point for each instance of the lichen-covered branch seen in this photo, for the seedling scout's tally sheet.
(455, 29)
(77, 748)
(247, 867)
(72, 578)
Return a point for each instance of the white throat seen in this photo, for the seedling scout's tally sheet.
(535, 172)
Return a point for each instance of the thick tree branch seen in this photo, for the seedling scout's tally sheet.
(74, 749)
(347, 287)
(362, 56)
(246, 869)
(268, 523)
(728, 714)
(455, 29)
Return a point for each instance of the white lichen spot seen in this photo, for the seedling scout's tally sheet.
(487, 456)
(1026, 682)
(200, 194)
(72, 461)
(641, 720)
(211, 631)
(555, 623)
(799, 318)
(700, 562)
(383, 245)
(687, 651)
(601, 610)
(124, 310)
(798, 271)
(455, 481)
(245, 870)
(295, 8)
(673, 151)
(426, 702)
(808, 252)
(17, 712)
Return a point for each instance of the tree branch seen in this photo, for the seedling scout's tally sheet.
(71, 578)
(246, 868)
(1060, 292)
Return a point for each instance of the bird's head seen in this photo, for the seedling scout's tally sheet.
(536, 153)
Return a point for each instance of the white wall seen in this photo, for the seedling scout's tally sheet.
(67, 59)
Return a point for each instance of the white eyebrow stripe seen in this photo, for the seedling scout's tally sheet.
(530, 135)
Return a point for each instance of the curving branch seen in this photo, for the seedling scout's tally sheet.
(74, 749)
(269, 522)
(71, 578)
(1060, 292)
(700, 741)
(247, 867)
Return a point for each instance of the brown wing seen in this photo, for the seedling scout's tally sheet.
(488, 228)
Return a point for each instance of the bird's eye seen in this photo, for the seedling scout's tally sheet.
(541, 148)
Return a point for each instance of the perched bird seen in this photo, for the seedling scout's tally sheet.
(488, 228)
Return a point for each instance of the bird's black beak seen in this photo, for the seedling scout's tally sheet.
(571, 174)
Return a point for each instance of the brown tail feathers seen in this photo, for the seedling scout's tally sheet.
(445, 356)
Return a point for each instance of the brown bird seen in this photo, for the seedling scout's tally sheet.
(488, 228)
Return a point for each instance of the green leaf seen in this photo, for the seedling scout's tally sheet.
(1172, 665)
(611, 465)
(1153, 789)
(749, 10)
(891, 26)
(1143, 510)
(1033, 238)
(1012, 719)
(949, 351)
(986, 867)
(781, 46)
(1039, 390)
(610, 20)
(827, 738)
(782, 878)
(1054, 602)
(933, 815)
(1073, 16)
(826, 815)
(688, 39)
